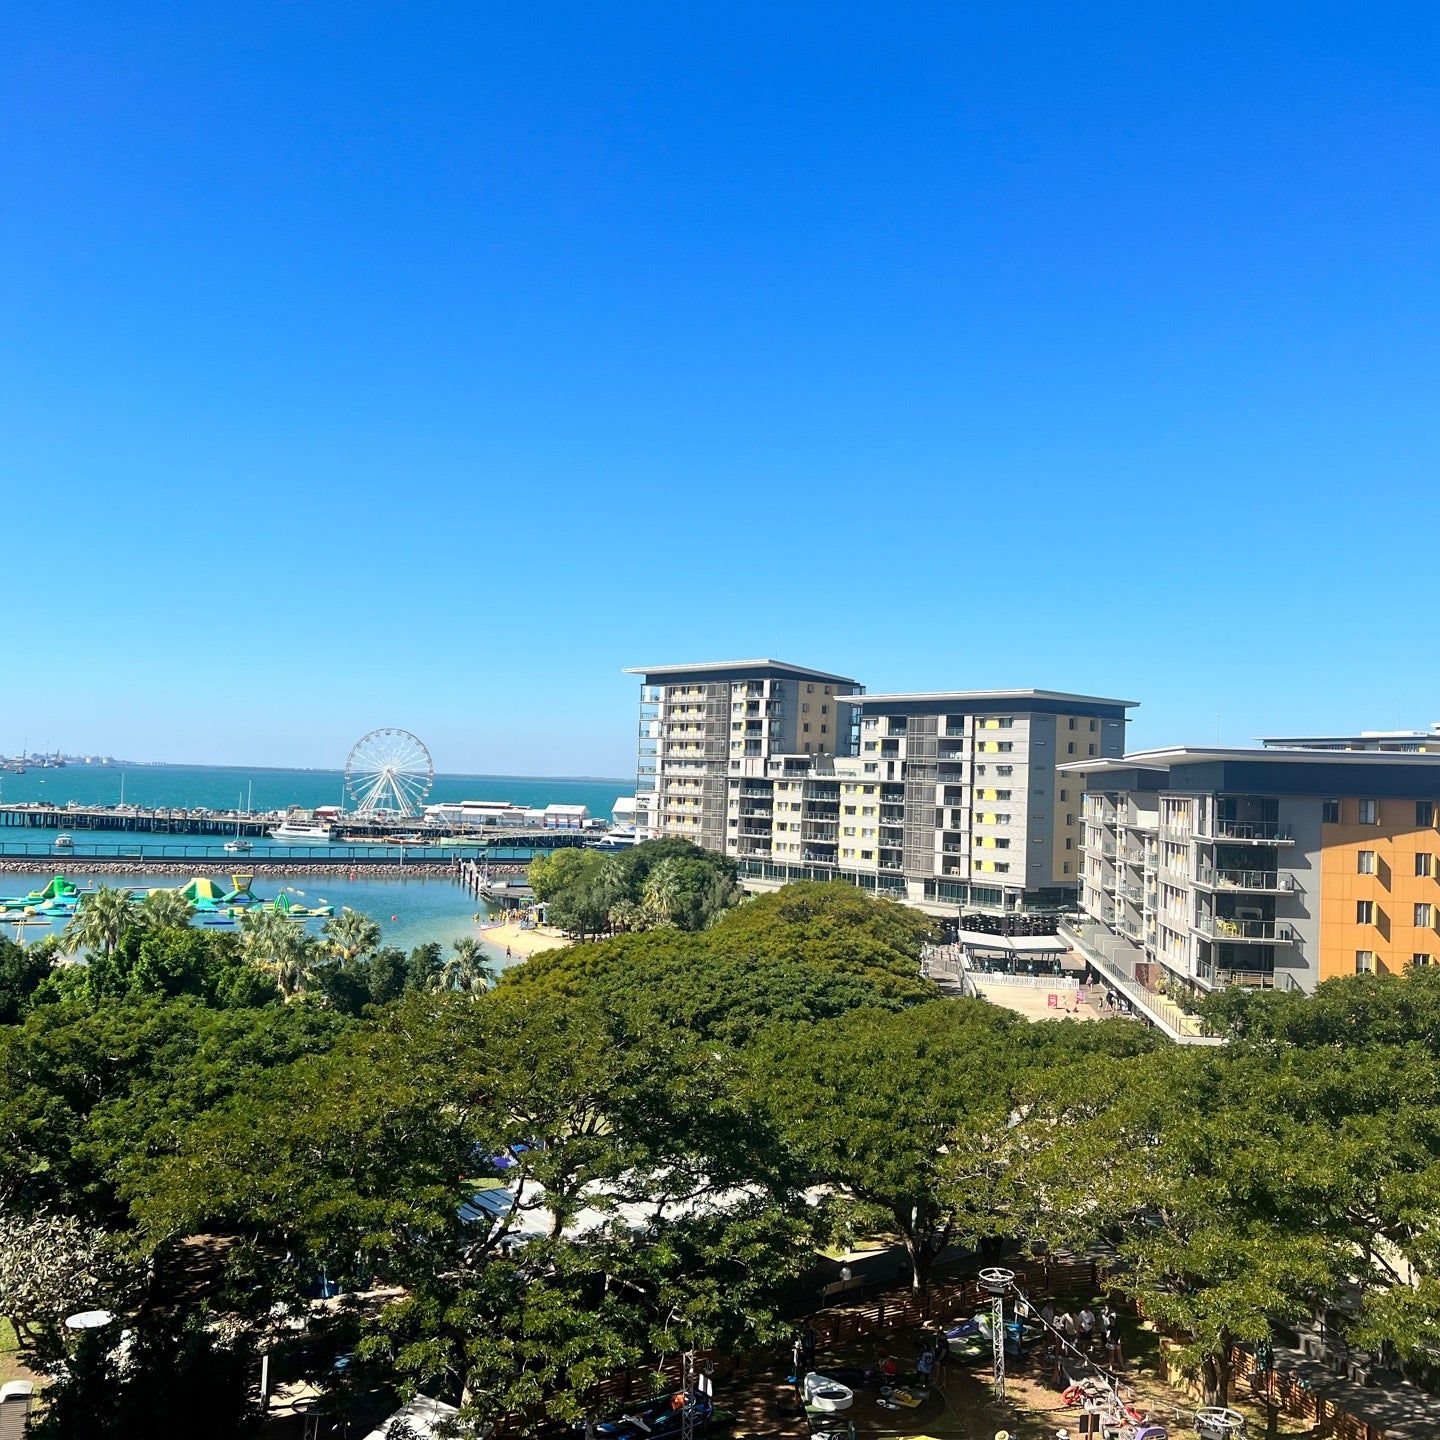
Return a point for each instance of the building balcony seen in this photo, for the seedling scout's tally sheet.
(1254, 979)
(1251, 932)
(1258, 882)
(1245, 832)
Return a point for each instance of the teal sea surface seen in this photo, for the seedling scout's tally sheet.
(410, 912)
(187, 787)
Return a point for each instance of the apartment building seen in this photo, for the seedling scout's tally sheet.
(1270, 867)
(950, 801)
(698, 723)
(1413, 742)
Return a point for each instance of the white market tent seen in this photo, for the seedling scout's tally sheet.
(423, 1416)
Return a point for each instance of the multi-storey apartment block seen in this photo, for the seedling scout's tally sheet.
(698, 723)
(951, 801)
(1258, 867)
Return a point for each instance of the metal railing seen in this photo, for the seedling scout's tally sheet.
(1103, 952)
(1222, 927)
(1262, 832)
(1246, 879)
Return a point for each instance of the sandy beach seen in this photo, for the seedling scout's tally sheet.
(507, 935)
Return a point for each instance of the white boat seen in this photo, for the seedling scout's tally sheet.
(239, 844)
(302, 834)
(64, 842)
(617, 837)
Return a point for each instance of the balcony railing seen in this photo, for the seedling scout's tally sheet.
(1268, 881)
(1267, 932)
(1256, 979)
(1248, 832)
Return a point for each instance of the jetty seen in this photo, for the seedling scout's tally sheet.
(356, 829)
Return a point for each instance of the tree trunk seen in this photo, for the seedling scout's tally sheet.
(919, 1272)
(1215, 1372)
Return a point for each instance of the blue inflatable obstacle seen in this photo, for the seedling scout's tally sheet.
(659, 1418)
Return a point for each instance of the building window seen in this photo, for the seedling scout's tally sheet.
(1071, 724)
(1092, 727)
(1092, 749)
(1069, 747)
(1329, 812)
(1424, 864)
(1365, 862)
(1065, 868)
(1364, 962)
(1069, 844)
(1368, 810)
(1421, 957)
(1423, 915)
(1364, 912)
(1424, 812)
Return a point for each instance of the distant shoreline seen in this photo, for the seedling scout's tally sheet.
(311, 869)
(331, 770)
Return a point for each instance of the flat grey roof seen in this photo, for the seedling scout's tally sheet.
(1012, 944)
(994, 695)
(1363, 737)
(1187, 755)
(775, 666)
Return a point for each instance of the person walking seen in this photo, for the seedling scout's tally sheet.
(1110, 1336)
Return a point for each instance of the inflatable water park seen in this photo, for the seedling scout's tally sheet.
(209, 899)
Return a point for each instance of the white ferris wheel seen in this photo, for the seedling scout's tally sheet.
(389, 772)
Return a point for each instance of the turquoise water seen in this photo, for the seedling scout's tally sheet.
(410, 912)
(219, 787)
(203, 850)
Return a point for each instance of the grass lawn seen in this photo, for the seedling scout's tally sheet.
(9, 1352)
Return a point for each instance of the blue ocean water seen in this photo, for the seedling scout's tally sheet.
(221, 787)
(410, 912)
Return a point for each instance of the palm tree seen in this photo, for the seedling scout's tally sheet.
(626, 915)
(100, 921)
(466, 970)
(351, 935)
(278, 946)
(164, 910)
(661, 896)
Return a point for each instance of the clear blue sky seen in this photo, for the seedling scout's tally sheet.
(423, 365)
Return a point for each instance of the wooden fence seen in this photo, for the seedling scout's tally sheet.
(1281, 1388)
